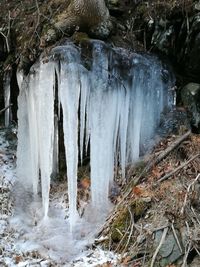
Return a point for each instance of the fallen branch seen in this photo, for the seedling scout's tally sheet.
(4, 109)
(168, 175)
(166, 152)
(100, 240)
(162, 240)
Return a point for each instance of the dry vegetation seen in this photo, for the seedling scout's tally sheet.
(169, 206)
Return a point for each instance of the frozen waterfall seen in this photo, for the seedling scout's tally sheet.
(111, 102)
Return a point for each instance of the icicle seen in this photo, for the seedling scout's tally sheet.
(46, 128)
(123, 126)
(20, 78)
(57, 74)
(153, 91)
(23, 149)
(102, 117)
(55, 146)
(88, 128)
(69, 92)
(135, 116)
(85, 90)
(7, 99)
(36, 129)
(32, 101)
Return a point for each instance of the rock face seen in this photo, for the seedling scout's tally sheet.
(89, 15)
(193, 48)
(3, 52)
(176, 35)
(191, 99)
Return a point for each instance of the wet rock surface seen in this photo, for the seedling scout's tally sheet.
(191, 100)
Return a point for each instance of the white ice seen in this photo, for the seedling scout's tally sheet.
(36, 130)
(110, 112)
(69, 92)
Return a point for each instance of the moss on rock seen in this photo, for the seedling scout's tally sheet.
(135, 209)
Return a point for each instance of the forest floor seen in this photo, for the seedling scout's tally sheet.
(155, 221)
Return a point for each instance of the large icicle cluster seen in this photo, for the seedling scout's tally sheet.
(36, 130)
(111, 105)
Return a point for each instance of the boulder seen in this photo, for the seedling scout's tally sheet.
(190, 95)
(169, 251)
(88, 16)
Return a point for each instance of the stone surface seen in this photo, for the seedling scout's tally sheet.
(192, 48)
(169, 251)
(80, 15)
(190, 95)
(163, 35)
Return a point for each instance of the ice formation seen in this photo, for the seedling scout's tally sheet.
(111, 105)
(7, 98)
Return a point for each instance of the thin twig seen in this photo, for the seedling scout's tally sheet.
(168, 175)
(100, 240)
(195, 215)
(176, 238)
(159, 246)
(129, 237)
(133, 221)
(118, 246)
(188, 190)
(197, 250)
(37, 22)
(6, 39)
(160, 228)
(4, 109)
(131, 231)
(119, 231)
(8, 34)
(188, 228)
(186, 256)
